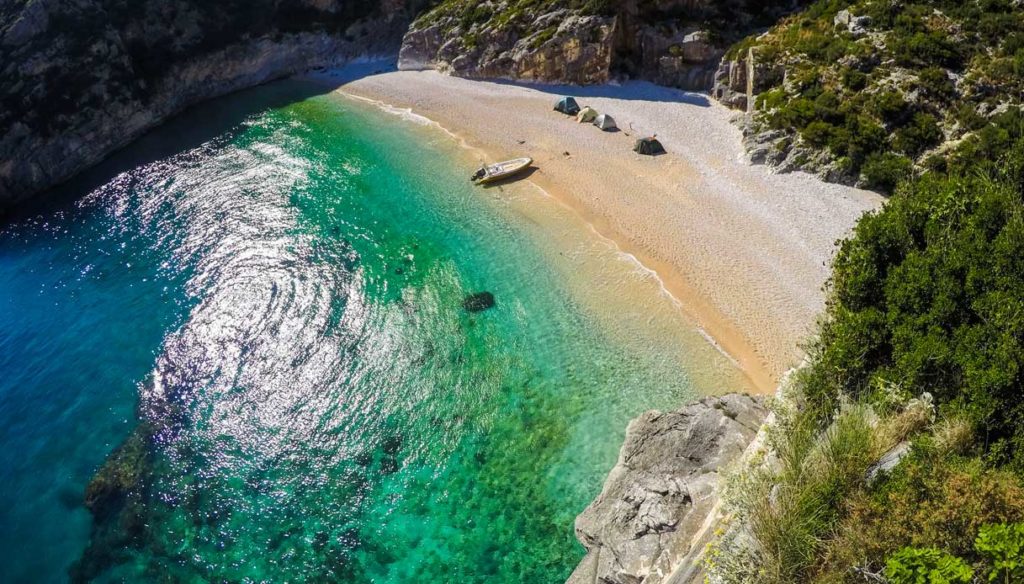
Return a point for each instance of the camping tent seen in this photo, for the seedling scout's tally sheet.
(649, 146)
(605, 122)
(586, 115)
(568, 106)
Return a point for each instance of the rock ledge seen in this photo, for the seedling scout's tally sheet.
(650, 520)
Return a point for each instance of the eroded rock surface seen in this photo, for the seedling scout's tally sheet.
(81, 78)
(651, 514)
(672, 42)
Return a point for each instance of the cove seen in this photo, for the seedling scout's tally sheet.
(255, 317)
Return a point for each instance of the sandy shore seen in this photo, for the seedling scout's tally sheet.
(744, 251)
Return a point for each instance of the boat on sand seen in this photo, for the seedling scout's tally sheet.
(501, 170)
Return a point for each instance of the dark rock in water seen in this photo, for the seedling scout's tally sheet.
(392, 444)
(122, 474)
(388, 466)
(478, 302)
(649, 520)
(320, 540)
(118, 496)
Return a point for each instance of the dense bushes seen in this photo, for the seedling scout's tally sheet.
(934, 499)
(927, 296)
(925, 71)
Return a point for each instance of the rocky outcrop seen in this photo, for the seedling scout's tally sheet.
(738, 81)
(561, 46)
(672, 42)
(653, 517)
(82, 78)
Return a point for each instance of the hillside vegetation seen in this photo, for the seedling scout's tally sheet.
(897, 454)
(876, 90)
(919, 362)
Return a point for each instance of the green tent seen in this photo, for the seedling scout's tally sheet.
(586, 115)
(568, 106)
(649, 146)
(605, 122)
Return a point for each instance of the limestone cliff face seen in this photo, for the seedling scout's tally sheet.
(656, 512)
(671, 42)
(81, 78)
(562, 45)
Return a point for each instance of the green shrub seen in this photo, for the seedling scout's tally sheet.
(818, 133)
(883, 171)
(853, 79)
(930, 295)
(479, 14)
(772, 99)
(927, 566)
(934, 498)
(543, 36)
(924, 49)
(890, 107)
(865, 138)
(935, 83)
(794, 115)
(1003, 546)
(920, 134)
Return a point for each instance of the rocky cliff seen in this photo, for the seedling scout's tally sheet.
(671, 42)
(81, 78)
(654, 516)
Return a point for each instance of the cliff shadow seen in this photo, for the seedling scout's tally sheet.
(628, 90)
(219, 118)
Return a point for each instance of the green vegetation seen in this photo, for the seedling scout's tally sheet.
(927, 566)
(1004, 546)
(926, 300)
(926, 297)
(1000, 544)
(925, 71)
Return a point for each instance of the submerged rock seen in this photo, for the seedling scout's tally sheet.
(650, 519)
(123, 474)
(478, 302)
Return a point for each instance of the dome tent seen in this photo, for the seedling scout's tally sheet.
(568, 106)
(605, 122)
(649, 146)
(586, 115)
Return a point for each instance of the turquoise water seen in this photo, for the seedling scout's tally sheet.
(258, 310)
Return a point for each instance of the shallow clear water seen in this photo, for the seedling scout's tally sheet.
(263, 302)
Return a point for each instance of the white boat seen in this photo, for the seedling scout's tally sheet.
(500, 170)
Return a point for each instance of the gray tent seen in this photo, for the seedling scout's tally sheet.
(605, 122)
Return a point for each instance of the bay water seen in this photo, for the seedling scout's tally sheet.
(256, 316)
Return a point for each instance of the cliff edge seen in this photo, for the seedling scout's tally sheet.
(82, 78)
(671, 42)
(654, 515)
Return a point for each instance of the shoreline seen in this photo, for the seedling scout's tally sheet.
(481, 116)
